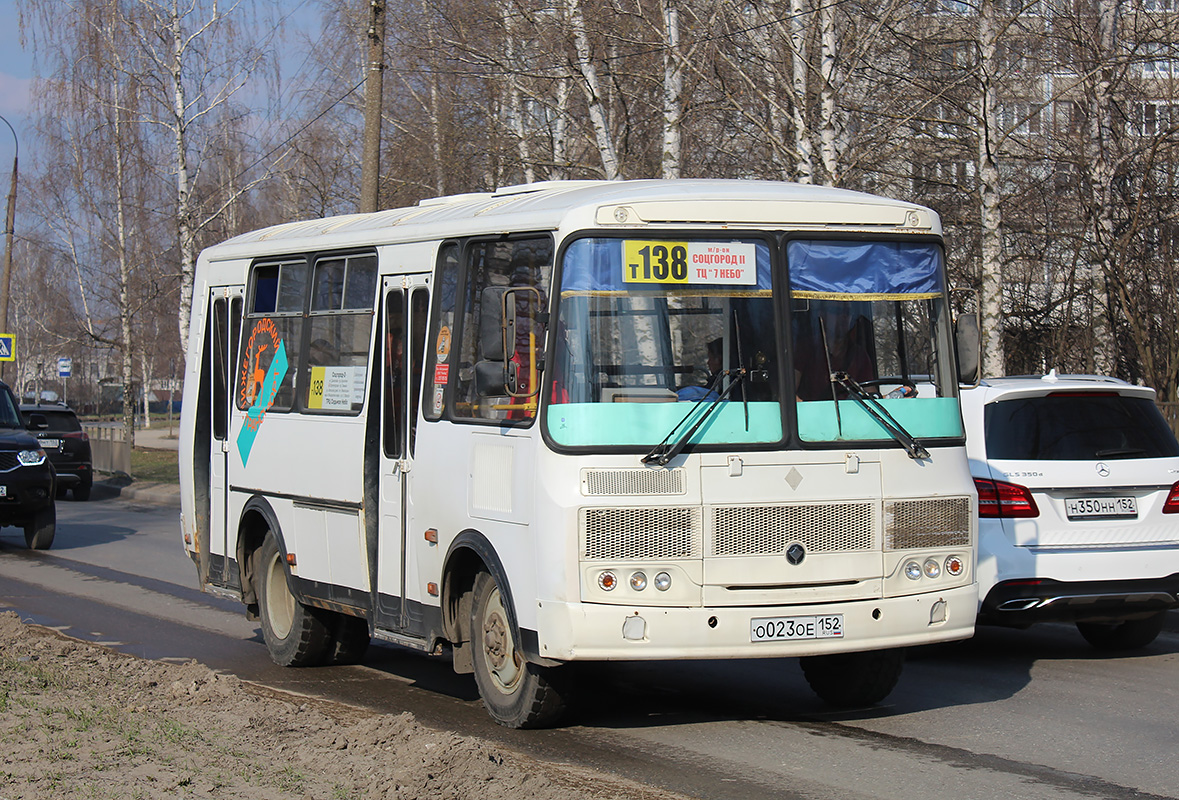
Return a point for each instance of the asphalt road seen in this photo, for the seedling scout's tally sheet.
(1026, 714)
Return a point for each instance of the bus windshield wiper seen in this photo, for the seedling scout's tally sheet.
(878, 412)
(662, 453)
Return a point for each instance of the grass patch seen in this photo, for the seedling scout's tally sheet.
(160, 466)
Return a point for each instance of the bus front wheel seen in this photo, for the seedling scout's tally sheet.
(295, 634)
(854, 680)
(516, 693)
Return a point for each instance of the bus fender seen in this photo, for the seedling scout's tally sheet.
(468, 553)
(257, 518)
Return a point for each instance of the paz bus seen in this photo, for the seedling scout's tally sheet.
(586, 421)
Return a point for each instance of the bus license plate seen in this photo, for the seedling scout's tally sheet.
(1101, 507)
(777, 629)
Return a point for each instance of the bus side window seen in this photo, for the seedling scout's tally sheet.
(419, 305)
(340, 321)
(275, 317)
(521, 270)
(394, 373)
(438, 357)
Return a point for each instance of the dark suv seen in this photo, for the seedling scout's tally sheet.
(27, 481)
(67, 445)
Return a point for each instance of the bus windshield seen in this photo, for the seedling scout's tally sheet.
(660, 342)
(871, 344)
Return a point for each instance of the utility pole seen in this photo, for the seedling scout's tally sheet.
(9, 230)
(373, 92)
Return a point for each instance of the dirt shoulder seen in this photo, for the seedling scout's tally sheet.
(79, 720)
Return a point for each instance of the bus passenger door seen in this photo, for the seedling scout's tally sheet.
(402, 345)
(224, 331)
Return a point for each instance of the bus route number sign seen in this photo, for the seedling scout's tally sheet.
(689, 263)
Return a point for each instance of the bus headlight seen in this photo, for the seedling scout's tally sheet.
(932, 568)
(954, 566)
(607, 581)
(638, 581)
(663, 581)
(913, 571)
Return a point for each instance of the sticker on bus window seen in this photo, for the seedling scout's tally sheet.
(260, 385)
(689, 263)
(442, 347)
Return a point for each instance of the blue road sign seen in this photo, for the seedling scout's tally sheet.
(64, 366)
(7, 347)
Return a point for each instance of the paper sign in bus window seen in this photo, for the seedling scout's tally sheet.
(689, 263)
(336, 388)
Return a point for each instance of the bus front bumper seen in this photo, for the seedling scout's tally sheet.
(585, 631)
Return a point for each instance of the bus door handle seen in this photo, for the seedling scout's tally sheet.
(401, 466)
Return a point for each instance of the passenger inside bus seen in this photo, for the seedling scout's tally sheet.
(702, 391)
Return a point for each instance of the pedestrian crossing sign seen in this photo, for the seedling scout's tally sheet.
(7, 347)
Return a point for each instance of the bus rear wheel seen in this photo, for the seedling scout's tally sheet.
(854, 680)
(295, 634)
(516, 693)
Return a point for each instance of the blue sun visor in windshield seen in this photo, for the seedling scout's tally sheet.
(824, 269)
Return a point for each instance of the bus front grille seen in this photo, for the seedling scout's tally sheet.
(604, 482)
(769, 530)
(939, 522)
(640, 533)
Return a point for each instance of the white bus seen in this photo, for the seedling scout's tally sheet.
(586, 421)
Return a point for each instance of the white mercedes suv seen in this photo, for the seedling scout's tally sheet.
(1078, 483)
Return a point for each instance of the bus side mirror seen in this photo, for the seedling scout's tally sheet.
(967, 345)
(504, 368)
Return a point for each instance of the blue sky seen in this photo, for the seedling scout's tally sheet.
(16, 72)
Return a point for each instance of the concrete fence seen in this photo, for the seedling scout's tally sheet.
(108, 449)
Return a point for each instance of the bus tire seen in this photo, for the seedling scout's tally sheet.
(40, 530)
(1128, 634)
(854, 680)
(296, 635)
(516, 693)
(349, 639)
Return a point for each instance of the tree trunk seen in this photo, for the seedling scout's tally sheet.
(799, 69)
(673, 90)
(991, 266)
(593, 93)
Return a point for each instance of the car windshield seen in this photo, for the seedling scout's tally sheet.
(1077, 426)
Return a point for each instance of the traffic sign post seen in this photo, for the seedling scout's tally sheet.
(65, 365)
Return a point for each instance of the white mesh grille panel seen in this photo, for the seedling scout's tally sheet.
(599, 482)
(942, 522)
(768, 530)
(640, 533)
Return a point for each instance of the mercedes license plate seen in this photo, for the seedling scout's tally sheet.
(1101, 507)
(778, 629)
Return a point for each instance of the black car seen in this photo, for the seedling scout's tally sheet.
(28, 483)
(56, 426)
